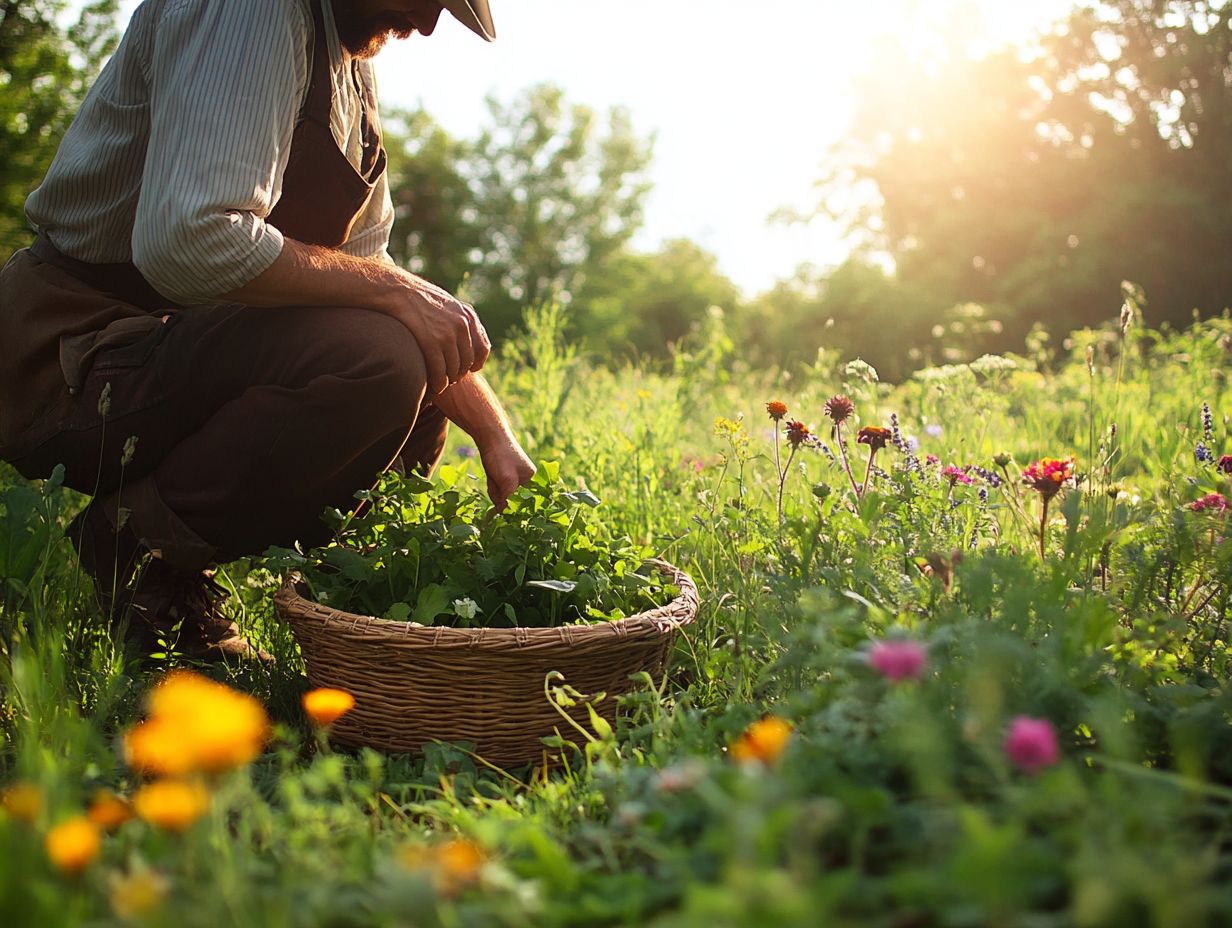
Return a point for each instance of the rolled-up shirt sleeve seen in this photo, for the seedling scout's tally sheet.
(227, 80)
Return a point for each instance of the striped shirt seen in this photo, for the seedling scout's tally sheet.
(176, 157)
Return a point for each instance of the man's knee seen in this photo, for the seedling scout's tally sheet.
(384, 362)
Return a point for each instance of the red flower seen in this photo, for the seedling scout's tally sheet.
(1212, 502)
(1225, 464)
(1048, 475)
(875, 436)
(776, 409)
(798, 433)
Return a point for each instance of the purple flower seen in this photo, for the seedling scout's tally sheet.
(898, 660)
(988, 476)
(897, 433)
(933, 430)
(466, 451)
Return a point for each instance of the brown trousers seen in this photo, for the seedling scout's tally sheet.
(248, 424)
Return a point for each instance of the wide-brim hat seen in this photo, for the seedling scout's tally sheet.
(474, 14)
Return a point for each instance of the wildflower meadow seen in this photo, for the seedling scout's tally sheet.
(961, 659)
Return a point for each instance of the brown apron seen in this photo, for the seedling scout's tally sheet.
(60, 317)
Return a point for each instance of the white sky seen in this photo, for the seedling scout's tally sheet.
(742, 97)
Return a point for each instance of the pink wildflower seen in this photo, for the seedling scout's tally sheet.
(931, 459)
(1213, 502)
(1032, 744)
(956, 475)
(1225, 464)
(898, 660)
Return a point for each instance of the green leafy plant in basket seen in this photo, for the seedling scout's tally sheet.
(437, 553)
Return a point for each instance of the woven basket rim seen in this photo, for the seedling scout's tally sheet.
(664, 619)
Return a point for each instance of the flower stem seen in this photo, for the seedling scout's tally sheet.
(783, 478)
(1043, 526)
(842, 450)
(868, 471)
(779, 471)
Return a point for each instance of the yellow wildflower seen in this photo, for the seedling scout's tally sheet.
(325, 706)
(171, 804)
(109, 811)
(196, 724)
(763, 741)
(453, 866)
(23, 801)
(159, 748)
(458, 864)
(71, 845)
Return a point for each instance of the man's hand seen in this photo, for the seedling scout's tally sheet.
(507, 468)
(473, 406)
(450, 335)
(448, 331)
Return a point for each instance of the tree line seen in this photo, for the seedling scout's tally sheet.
(986, 195)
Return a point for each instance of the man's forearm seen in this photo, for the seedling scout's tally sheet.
(309, 275)
(448, 331)
(473, 407)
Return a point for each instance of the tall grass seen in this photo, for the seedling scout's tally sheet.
(893, 803)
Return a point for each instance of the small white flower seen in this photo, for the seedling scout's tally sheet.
(466, 608)
(991, 363)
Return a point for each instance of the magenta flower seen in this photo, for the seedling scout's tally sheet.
(1214, 502)
(1225, 464)
(898, 660)
(931, 459)
(1032, 744)
(956, 475)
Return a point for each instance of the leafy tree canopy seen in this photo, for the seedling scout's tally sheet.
(1034, 183)
(45, 70)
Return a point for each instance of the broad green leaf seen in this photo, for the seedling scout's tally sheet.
(433, 600)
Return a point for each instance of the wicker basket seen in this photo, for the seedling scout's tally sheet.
(414, 684)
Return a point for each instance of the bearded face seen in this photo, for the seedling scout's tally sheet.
(364, 26)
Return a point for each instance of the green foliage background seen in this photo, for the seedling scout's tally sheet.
(45, 71)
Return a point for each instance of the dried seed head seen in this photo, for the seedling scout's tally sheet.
(839, 408)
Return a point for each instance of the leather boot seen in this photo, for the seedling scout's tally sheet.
(184, 610)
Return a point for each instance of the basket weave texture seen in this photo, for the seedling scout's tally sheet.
(414, 684)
